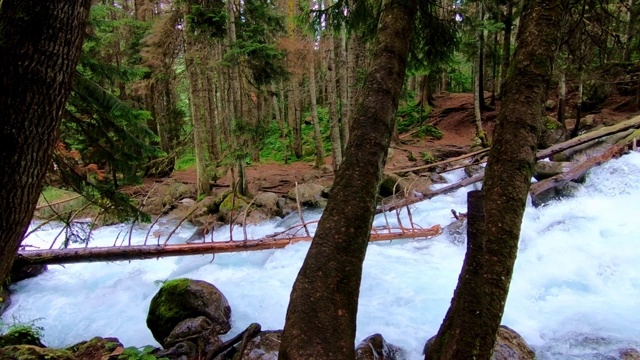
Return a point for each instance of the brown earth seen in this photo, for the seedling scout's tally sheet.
(453, 115)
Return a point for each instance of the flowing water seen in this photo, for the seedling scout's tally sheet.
(575, 292)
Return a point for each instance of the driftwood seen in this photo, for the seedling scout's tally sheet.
(541, 154)
(52, 204)
(115, 253)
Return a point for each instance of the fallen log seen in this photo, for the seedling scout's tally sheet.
(575, 172)
(541, 154)
(443, 162)
(634, 122)
(425, 196)
(139, 252)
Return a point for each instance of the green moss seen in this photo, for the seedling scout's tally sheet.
(166, 309)
(230, 204)
(30, 352)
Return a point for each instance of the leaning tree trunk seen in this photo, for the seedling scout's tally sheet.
(471, 324)
(39, 50)
(321, 318)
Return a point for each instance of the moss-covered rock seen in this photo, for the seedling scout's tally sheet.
(182, 299)
(309, 194)
(30, 352)
(96, 348)
(552, 133)
(232, 206)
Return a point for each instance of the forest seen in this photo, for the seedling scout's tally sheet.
(102, 98)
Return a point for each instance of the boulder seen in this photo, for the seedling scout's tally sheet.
(549, 105)
(552, 133)
(30, 352)
(473, 170)
(568, 190)
(456, 232)
(509, 346)
(310, 194)
(264, 346)
(375, 347)
(629, 354)
(233, 206)
(97, 348)
(182, 299)
(437, 178)
(268, 201)
(192, 338)
(547, 169)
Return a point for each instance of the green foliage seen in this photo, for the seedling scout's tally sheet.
(427, 157)
(20, 333)
(254, 48)
(209, 21)
(143, 353)
(409, 115)
(186, 161)
(430, 131)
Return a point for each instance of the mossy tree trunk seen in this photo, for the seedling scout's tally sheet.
(39, 51)
(471, 324)
(321, 318)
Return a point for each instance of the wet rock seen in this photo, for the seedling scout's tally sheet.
(511, 346)
(547, 169)
(185, 350)
(97, 348)
(552, 133)
(264, 346)
(473, 170)
(183, 299)
(437, 178)
(375, 347)
(568, 190)
(30, 352)
(309, 194)
(268, 201)
(629, 354)
(456, 232)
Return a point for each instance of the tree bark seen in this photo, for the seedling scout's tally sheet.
(39, 50)
(321, 318)
(471, 324)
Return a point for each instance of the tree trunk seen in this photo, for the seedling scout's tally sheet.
(506, 45)
(576, 127)
(341, 64)
(317, 137)
(336, 140)
(480, 58)
(39, 50)
(562, 98)
(321, 318)
(471, 324)
(632, 18)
